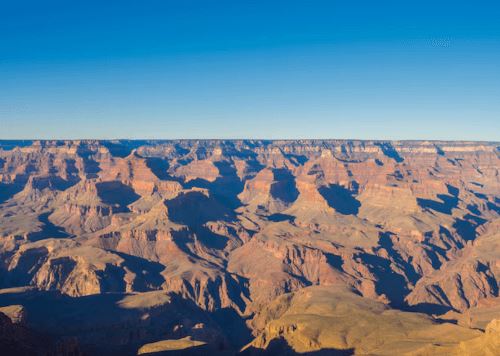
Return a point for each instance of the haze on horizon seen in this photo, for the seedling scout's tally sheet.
(250, 69)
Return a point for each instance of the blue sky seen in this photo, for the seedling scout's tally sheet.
(250, 69)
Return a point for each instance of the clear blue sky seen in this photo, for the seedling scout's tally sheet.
(261, 69)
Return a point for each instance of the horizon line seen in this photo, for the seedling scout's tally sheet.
(247, 139)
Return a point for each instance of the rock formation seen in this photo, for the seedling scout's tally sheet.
(252, 245)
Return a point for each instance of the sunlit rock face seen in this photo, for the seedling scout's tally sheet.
(220, 246)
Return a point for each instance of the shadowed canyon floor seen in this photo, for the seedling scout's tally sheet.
(195, 247)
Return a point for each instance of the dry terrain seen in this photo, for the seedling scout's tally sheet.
(196, 247)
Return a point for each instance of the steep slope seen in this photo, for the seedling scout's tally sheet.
(231, 226)
(464, 282)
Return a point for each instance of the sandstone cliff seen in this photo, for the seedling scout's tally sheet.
(231, 226)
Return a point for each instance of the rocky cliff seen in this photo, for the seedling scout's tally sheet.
(229, 227)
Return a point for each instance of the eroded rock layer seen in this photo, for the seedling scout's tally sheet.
(219, 237)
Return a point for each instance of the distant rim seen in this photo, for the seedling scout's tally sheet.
(24, 140)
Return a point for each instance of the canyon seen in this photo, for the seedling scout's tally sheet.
(254, 247)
